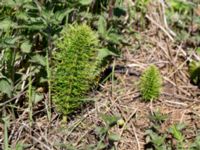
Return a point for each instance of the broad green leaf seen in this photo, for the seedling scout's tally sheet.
(36, 26)
(26, 47)
(6, 87)
(102, 25)
(35, 69)
(85, 2)
(22, 16)
(61, 14)
(12, 40)
(155, 138)
(39, 59)
(104, 52)
(6, 24)
(113, 37)
(87, 15)
(37, 97)
(114, 137)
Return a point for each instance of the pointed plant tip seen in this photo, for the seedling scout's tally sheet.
(150, 83)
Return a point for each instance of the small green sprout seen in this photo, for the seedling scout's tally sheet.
(150, 83)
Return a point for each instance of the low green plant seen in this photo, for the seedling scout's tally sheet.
(150, 83)
(182, 19)
(173, 137)
(106, 138)
(194, 71)
(156, 140)
(74, 67)
(138, 12)
(196, 144)
(157, 118)
(159, 140)
(176, 131)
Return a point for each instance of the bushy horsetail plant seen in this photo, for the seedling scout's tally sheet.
(150, 83)
(74, 67)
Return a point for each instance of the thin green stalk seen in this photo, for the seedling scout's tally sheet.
(113, 76)
(100, 142)
(6, 124)
(30, 102)
(48, 103)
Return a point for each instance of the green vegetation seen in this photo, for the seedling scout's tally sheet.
(104, 133)
(184, 20)
(150, 83)
(58, 56)
(194, 71)
(173, 138)
(74, 67)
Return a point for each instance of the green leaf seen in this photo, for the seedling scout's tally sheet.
(180, 126)
(37, 97)
(114, 137)
(85, 2)
(155, 138)
(12, 40)
(101, 146)
(38, 59)
(29, 6)
(110, 120)
(174, 130)
(22, 16)
(9, 3)
(26, 47)
(198, 50)
(86, 15)
(100, 131)
(104, 52)
(6, 24)
(194, 71)
(114, 38)
(157, 117)
(61, 14)
(19, 146)
(102, 25)
(6, 87)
